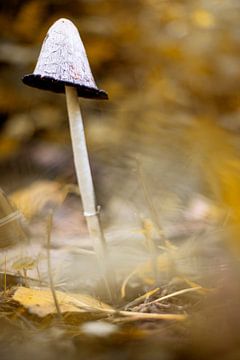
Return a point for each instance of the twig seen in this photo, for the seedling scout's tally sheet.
(49, 230)
(150, 204)
(25, 277)
(142, 297)
(147, 231)
(176, 293)
(125, 282)
(10, 217)
(134, 316)
(5, 275)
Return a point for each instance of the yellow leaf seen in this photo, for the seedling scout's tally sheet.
(40, 302)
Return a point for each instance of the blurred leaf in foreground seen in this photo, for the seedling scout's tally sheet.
(39, 196)
(215, 155)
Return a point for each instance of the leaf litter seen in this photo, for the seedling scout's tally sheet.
(149, 304)
(44, 302)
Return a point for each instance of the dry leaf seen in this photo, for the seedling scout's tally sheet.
(40, 302)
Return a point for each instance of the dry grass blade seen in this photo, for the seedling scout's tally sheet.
(147, 231)
(10, 217)
(11, 231)
(176, 293)
(49, 230)
(144, 271)
(125, 282)
(151, 207)
(5, 276)
(139, 299)
(135, 316)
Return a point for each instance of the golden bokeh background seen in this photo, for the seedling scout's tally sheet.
(164, 152)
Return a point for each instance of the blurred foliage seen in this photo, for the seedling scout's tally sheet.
(169, 135)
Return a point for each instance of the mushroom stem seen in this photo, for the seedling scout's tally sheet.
(85, 182)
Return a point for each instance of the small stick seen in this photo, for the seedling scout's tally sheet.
(38, 274)
(25, 277)
(147, 231)
(134, 316)
(176, 293)
(150, 205)
(139, 299)
(49, 230)
(5, 275)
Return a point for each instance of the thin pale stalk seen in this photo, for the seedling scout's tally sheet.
(5, 275)
(85, 182)
(147, 231)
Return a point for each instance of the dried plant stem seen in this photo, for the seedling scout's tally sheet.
(5, 276)
(125, 282)
(149, 202)
(176, 293)
(10, 217)
(147, 231)
(25, 277)
(141, 298)
(49, 230)
(134, 316)
(85, 182)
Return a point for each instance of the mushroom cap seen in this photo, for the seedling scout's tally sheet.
(63, 61)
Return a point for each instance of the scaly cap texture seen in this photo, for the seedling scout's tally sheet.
(63, 61)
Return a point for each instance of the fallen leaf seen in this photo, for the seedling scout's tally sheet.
(40, 302)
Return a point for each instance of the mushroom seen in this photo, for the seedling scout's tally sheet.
(63, 67)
